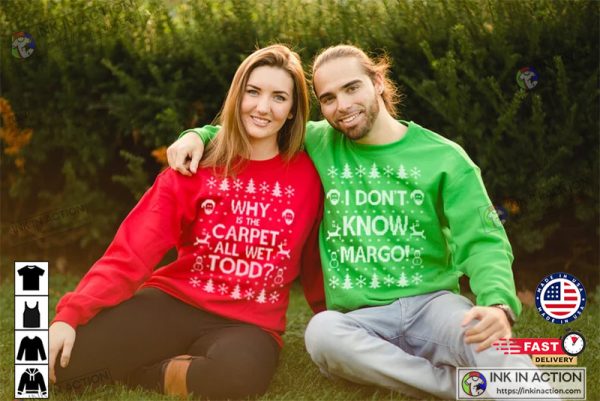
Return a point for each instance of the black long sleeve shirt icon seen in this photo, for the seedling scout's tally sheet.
(31, 347)
(32, 382)
(31, 316)
(31, 277)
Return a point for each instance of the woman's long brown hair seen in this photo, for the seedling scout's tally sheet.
(231, 146)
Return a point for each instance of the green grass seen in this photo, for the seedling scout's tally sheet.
(297, 378)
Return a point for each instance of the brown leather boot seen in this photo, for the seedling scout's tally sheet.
(175, 374)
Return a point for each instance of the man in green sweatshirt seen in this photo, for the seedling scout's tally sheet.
(406, 214)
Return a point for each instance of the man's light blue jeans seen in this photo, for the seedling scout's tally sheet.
(412, 345)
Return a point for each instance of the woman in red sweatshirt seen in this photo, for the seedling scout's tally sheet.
(210, 323)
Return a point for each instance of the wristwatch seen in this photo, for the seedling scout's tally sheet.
(510, 315)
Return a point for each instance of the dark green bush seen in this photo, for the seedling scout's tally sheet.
(130, 74)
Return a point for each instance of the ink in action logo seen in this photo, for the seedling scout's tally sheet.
(474, 383)
(23, 45)
(527, 78)
(560, 298)
(490, 219)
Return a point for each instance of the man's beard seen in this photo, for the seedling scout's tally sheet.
(360, 131)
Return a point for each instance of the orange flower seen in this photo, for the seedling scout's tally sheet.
(14, 138)
(20, 163)
(512, 206)
(160, 155)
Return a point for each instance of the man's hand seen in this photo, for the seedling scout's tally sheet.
(185, 154)
(62, 337)
(493, 325)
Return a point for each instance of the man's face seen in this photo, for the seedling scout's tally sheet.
(348, 97)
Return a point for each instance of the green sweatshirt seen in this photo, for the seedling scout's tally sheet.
(403, 219)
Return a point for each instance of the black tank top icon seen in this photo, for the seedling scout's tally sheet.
(31, 316)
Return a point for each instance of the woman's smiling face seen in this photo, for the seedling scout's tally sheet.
(267, 102)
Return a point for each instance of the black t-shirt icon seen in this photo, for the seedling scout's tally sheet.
(31, 347)
(31, 316)
(31, 277)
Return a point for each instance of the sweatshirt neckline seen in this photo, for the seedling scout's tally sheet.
(244, 165)
(264, 164)
(386, 146)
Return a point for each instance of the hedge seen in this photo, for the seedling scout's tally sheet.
(110, 84)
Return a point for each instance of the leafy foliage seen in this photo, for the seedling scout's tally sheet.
(129, 75)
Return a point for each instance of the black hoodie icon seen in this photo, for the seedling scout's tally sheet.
(32, 382)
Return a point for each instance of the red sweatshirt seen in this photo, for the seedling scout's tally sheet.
(241, 242)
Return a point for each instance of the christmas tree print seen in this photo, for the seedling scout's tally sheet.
(209, 286)
(347, 283)
(346, 172)
(402, 281)
(236, 293)
(276, 190)
(224, 185)
(262, 297)
(374, 281)
(251, 188)
(402, 172)
(374, 173)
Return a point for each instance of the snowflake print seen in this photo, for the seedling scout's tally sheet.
(361, 281)
(238, 184)
(360, 171)
(289, 191)
(334, 282)
(195, 282)
(388, 171)
(264, 188)
(223, 289)
(212, 182)
(332, 172)
(417, 278)
(388, 280)
(415, 173)
(274, 297)
(249, 294)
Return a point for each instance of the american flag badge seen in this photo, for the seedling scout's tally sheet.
(560, 298)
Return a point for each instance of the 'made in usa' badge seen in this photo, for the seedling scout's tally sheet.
(560, 298)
